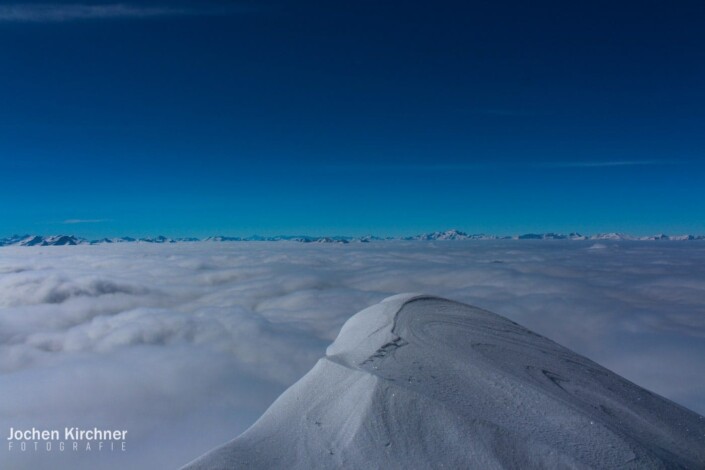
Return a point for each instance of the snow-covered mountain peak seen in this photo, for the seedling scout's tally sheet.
(422, 382)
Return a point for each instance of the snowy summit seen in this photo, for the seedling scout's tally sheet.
(422, 382)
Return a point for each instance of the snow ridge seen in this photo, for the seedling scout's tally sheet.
(421, 382)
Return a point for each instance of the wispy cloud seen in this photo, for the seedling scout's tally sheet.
(450, 167)
(58, 13)
(509, 112)
(403, 167)
(603, 164)
(83, 221)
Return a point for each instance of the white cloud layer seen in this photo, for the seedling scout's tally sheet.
(185, 345)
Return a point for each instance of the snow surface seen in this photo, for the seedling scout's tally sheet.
(423, 382)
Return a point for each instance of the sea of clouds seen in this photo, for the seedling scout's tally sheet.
(185, 345)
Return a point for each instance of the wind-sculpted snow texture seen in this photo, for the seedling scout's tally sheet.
(185, 345)
(422, 382)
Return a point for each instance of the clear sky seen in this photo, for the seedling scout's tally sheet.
(351, 117)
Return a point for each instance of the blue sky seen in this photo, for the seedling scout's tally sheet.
(200, 118)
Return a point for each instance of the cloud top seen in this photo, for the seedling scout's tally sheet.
(164, 340)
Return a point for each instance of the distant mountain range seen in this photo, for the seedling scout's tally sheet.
(58, 240)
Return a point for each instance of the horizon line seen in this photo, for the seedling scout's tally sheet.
(454, 234)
